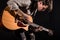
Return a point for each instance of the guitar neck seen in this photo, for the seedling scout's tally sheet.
(33, 24)
(36, 25)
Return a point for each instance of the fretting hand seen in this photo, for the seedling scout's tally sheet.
(50, 32)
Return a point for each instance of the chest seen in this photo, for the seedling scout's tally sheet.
(42, 19)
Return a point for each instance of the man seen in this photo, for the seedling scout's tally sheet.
(13, 5)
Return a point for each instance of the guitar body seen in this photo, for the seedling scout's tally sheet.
(9, 21)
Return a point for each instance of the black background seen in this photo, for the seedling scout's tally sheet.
(9, 35)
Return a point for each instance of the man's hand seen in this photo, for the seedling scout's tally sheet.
(38, 29)
(50, 32)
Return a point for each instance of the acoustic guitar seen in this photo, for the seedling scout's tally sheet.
(8, 20)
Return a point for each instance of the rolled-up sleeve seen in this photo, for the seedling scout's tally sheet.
(12, 5)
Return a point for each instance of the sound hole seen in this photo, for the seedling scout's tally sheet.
(20, 24)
